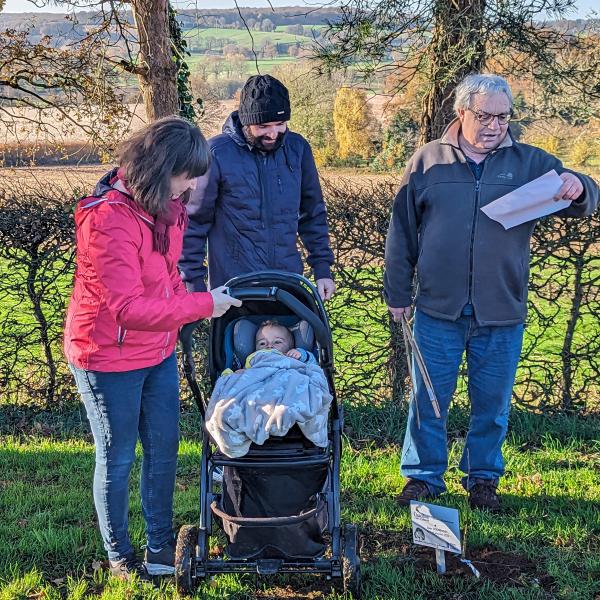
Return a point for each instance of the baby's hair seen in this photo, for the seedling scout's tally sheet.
(275, 323)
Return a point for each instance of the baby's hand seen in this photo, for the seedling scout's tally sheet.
(293, 353)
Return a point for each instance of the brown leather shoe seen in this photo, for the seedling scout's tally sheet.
(414, 489)
(483, 495)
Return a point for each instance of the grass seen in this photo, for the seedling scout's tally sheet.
(264, 64)
(545, 544)
(242, 37)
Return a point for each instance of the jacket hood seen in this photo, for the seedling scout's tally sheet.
(104, 185)
(233, 128)
(113, 182)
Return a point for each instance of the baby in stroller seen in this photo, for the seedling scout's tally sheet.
(271, 335)
(270, 395)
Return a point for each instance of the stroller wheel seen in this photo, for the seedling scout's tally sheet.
(351, 561)
(185, 559)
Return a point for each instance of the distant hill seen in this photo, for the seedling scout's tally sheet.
(189, 18)
(299, 21)
(287, 25)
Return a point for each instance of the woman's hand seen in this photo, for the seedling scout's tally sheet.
(222, 301)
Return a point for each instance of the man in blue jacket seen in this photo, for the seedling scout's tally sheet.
(262, 191)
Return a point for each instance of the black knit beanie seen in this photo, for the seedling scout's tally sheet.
(264, 99)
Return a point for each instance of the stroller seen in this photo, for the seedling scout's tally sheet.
(279, 505)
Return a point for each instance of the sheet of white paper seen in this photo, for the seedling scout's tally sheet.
(528, 202)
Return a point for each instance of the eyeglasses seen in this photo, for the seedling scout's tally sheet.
(486, 118)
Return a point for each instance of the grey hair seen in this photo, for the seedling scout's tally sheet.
(480, 83)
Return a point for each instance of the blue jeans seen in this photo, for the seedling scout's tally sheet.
(121, 406)
(492, 358)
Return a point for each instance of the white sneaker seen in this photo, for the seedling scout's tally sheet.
(160, 562)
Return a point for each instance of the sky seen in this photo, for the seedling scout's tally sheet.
(18, 6)
(28, 6)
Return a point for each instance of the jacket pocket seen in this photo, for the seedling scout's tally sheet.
(524, 279)
(515, 276)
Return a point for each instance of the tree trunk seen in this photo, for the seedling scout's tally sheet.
(157, 72)
(40, 317)
(457, 49)
(397, 363)
(568, 361)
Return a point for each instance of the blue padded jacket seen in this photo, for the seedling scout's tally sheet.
(248, 211)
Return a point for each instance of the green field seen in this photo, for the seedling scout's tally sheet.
(264, 65)
(242, 36)
(307, 29)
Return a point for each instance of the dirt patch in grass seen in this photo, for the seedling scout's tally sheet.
(304, 588)
(502, 568)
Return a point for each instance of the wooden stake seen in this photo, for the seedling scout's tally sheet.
(440, 559)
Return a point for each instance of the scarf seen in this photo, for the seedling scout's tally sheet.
(175, 214)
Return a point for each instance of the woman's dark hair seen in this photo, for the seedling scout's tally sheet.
(151, 156)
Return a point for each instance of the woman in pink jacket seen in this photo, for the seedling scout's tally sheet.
(127, 306)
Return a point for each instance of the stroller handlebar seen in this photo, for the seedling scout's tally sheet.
(253, 293)
(272, 294)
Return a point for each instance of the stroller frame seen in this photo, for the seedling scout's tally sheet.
(192, 561)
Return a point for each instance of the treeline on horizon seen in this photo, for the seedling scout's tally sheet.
(224, 17)
(202, 17)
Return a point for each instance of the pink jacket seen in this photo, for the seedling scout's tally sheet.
(128, 301)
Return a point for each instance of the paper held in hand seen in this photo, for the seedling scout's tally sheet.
(528, 202)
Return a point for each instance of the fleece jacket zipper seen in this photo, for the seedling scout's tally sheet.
(474, 228)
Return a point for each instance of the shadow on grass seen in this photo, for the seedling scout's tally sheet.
(70, 422)
(48, 523)
(384, 423)
(515, 509)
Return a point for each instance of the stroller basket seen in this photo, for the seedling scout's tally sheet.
(273, 512)
(294, 537)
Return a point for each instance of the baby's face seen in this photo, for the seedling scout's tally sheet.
(273, 338)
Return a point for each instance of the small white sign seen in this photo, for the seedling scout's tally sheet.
(435, 526)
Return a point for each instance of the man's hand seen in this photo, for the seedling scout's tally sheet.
(570, 189)
(293, 353)
(326, 288)
(398, 312)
